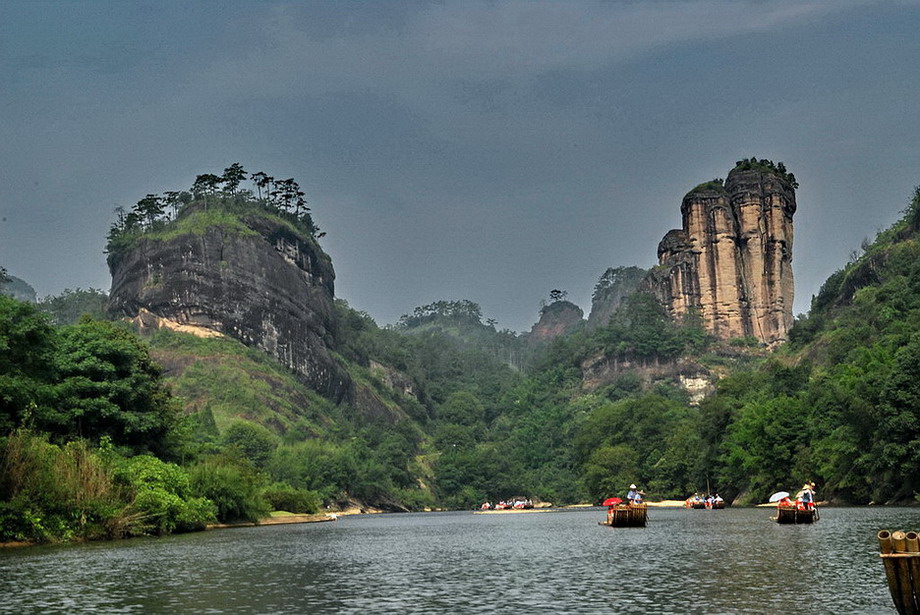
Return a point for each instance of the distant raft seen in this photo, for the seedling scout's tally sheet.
(900, 551)
(626, 515)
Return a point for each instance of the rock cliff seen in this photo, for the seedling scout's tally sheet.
(613, 288)
(263, 283)
(731, 261)
(556, 319)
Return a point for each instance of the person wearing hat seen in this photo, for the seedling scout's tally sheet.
(808, 495)
(632, 495)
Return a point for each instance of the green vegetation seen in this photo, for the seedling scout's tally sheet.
(214, 201)
(715, 185)
(767, 166)
(69, 306)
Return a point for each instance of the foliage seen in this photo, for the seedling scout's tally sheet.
(233, 486)
(163, 498)
(767, 166)
(622, 280)
(251, 441)
(282, 496)
(715, 185)
(69, 306)
(108, 385)
(27, 366)
(214, 201)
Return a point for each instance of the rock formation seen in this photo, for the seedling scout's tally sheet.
(18, 289)
(611, 291)
(732, 261)
(556, 319)
(266, 285)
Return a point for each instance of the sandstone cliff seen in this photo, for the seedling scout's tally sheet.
(731, 262)
(262, 282)
(556, 319)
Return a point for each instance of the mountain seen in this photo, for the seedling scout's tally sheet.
(18, 289)
(250, 274)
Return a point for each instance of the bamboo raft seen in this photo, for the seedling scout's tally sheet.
(900, 551)
(627, 515)
(792, 514)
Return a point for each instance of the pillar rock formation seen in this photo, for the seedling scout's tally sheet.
(731, 262)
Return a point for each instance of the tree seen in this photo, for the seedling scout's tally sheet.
(27, 344)
(262, 180)
(205, 185)
(149, 209)
(233, 175)
(109, 386)
(69, 306)
(557, 295)
(4, 276)
(254, 442)
(172, 199)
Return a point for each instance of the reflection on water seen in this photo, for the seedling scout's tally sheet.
(687, 561)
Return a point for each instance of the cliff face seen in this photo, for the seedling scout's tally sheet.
(556, 319)
(269, 288)
(732, 259)
(613, 288)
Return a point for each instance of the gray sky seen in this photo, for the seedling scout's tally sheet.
(489, 151)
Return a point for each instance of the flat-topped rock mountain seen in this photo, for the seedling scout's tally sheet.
(257, 280)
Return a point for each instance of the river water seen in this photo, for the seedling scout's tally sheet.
(685, 561)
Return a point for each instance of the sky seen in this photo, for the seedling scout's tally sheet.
(467, 149)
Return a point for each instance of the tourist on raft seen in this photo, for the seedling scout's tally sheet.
(805, 500)
(633, 495)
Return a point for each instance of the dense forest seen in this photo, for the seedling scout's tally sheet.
(106, 433)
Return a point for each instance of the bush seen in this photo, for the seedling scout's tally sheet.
(234, 488)
(163, 500)
(282, 496)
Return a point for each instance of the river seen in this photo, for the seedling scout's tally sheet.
(685, 561)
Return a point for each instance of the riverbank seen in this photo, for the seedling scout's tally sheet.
(280, 518)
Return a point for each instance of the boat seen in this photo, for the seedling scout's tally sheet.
(626, 515)
(796, 514)
(716, 505)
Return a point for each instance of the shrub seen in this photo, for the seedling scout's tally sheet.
(234, 488)
(282, 496)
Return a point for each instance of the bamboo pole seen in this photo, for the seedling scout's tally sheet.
(891, 570)
(899, 541)
(902, 569)
(884, 541)
(912, 541)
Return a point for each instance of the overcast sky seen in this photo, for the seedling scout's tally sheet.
(490, 151)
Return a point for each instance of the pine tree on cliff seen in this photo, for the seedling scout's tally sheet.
(149, 209)
(171, 198)
(261, 180)
(205, 185)
(233, 176)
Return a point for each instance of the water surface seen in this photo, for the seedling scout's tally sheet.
(685, 561)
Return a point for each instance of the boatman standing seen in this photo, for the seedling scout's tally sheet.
(807, 496)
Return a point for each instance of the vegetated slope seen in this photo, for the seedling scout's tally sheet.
(839, 404)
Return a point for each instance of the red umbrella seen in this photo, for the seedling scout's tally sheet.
(612, 501)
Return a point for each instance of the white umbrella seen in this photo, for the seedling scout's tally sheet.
(779, 495)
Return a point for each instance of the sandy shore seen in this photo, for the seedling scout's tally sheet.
(510, 511)
(278, 520)
(666, 504)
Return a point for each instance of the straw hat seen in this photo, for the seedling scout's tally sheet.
(632, 486)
